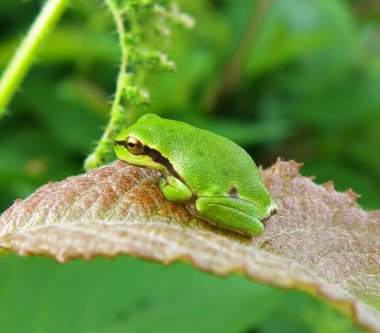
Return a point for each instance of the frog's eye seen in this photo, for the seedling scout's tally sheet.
(134, 146)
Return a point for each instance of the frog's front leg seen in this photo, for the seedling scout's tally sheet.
(231, 213)
(174, 190)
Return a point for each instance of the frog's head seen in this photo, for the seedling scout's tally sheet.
(135, 145)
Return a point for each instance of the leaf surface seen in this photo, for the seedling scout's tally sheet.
(320, 241)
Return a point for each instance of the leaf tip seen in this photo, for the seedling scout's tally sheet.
(290, 168)
(329, 186)
(352, 195)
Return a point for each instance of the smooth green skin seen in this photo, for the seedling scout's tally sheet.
(208, 169)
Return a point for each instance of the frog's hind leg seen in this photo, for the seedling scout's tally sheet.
(230, 213)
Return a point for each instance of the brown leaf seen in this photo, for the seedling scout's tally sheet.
(320, 241)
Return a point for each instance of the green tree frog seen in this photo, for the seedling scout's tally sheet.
(200, 167)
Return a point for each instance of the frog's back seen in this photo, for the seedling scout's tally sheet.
(225, 167)
(210, 165)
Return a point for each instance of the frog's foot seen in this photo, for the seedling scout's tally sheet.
(230, 213)
(174, 190)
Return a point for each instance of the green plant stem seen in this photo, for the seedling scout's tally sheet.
(124, 55)
(118, 118)
(25, 54)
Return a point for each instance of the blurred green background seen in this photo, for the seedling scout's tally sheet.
(299, 79)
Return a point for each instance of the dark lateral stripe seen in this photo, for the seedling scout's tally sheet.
(156, 156)
(121, 143)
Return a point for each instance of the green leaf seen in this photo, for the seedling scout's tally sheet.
(129, 295)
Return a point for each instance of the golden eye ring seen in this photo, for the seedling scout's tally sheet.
(134, 146)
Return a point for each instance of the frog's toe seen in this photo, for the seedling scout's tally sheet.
(272, 210)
